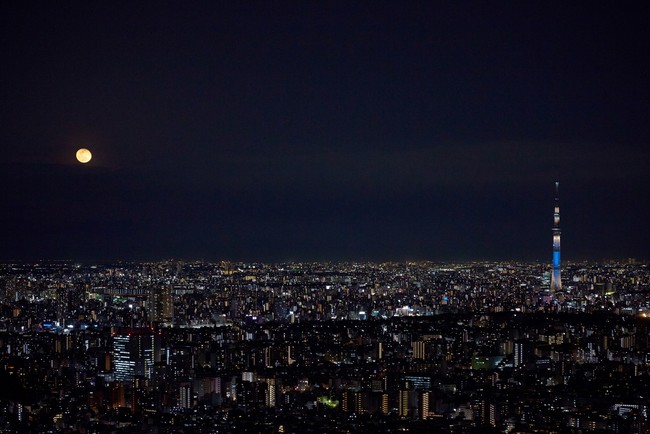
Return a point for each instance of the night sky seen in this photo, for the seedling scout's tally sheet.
(272, 130)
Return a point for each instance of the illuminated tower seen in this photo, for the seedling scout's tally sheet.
(556, 281)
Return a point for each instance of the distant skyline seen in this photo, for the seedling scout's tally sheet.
(272, 131)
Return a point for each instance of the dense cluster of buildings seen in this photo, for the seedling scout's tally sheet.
(318, 347)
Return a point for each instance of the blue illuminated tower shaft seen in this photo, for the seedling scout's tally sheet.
(556, 280)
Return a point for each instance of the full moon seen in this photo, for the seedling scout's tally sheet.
(84, 155)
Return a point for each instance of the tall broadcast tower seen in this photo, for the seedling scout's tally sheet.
(556, 281)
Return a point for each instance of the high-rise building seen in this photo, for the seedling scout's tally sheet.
(519, 354)
(185, 396)
(556, 280)
(270, 392)
(358, 402)
(418, 348)
(161, 303)
(403, 399)
(134, 353)
(385, 406)
(522, 353)
(424, 404)
(346, 401)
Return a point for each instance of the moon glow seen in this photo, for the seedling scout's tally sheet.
(84, 155)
